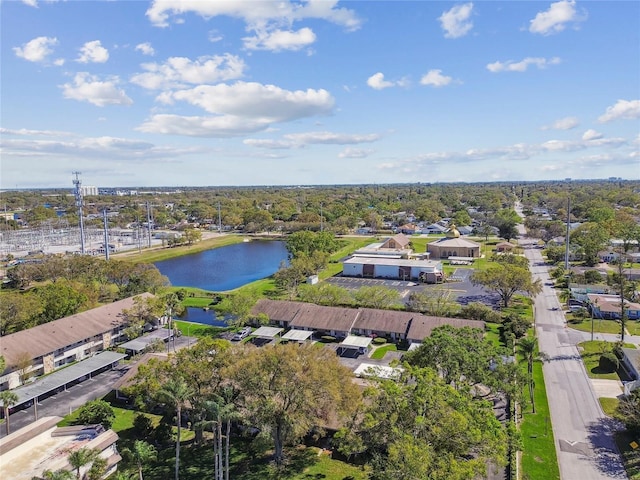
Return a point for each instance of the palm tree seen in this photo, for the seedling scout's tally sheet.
(177, 393)
(223, 411)
(528, 347)
(141, 453)
(57, 475)
(79, 458)
(8, 399)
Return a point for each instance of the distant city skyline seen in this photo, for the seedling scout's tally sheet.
(164, 93)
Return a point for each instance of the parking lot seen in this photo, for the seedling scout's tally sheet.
(459, 284)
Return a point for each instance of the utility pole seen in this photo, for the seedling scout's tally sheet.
(79, 204)
(149, 224)
(106, 234)
(566, 240)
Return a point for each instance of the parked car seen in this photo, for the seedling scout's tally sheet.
(242, 334)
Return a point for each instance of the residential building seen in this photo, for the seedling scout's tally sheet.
(43, 349)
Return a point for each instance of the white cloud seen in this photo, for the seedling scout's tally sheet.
(623, 109)
(265, 15)
(299, 140)
(36, 50)
(435, 78)
(31, 3)
(27, 132)
(354, 153)
(239, 109)
(146, 49)
(278, 40)
(522, 65)
(555, 19)
(180, 71)
(88, 88)
(566, 123)
(591, 135)
(214, 36)
(377, 82)
(455, 22)
(330, 138)
(93, 52)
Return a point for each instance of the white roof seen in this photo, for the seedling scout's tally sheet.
(354, 341)
(401, 262)
(380, 371)
(297, 335)
(267, 332)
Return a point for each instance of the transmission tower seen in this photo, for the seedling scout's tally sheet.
(79, 203)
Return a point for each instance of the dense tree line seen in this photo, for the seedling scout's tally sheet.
(59, 286)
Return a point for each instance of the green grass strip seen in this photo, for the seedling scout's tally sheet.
(539, 452)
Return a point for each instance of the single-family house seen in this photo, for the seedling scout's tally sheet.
(609, 307)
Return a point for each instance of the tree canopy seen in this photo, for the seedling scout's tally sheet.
(506, 280)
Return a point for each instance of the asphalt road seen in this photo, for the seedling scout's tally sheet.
(583, 434)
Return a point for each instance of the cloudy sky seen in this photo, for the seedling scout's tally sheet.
(177, 93)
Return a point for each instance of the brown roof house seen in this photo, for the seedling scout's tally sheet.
(42, 349)
(453, 246)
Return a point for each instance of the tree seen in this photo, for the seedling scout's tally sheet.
(192, 236)
(176, 392)
(506, 280)
(376, 297)
(18, 311)
(591, 237)
(629, 411)
(237, 306)
(98, 469)
(57, 475)
(81, 457)
(325, 293)
(8, 399)
(94, 412)
(461, 355)
(418, 427)
(434, 301)
(141, 453)
(528, 348)
(286, 390)
(59, 299)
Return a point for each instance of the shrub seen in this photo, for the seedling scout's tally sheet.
(327, 339)
(94, 412)
(609, 362)
(379, 340)
(142, 425)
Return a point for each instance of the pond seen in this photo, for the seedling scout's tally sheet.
(225, 268)
(200, 315)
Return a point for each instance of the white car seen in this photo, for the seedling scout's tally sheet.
(242, 334)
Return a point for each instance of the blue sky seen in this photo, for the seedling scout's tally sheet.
(176, 93)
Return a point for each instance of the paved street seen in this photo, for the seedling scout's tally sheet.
(583, 434)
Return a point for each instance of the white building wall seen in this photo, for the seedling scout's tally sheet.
(351, 269)
(386, 271)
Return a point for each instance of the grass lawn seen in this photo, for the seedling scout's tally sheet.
(609, 405)
(599, 326)
(381, 351)
(520, 306)
(198, 329)
(157, 254)
(539, 453)
(492, 333)
(591, 352)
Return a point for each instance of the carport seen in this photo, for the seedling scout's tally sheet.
(65, 376)
(137, 345)
(296, 335)
(354, 342)
(264, 335)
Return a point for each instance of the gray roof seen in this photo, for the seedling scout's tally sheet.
(51, 336)
(401, 262)
(66, 375)
(353, 341)
(140, 343)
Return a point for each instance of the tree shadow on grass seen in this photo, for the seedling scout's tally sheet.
(606, 456)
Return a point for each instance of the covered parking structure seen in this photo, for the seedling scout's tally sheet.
(296, 335)
(61, 379)
(354, 345)
(264, 335)
(137, 345)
